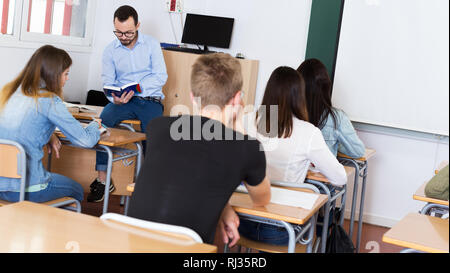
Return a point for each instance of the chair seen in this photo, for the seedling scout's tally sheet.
(14, 165)
(305, 234)
(96, 98)
(153, 225)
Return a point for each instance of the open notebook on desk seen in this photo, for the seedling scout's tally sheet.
(75, 108)
(287, 197)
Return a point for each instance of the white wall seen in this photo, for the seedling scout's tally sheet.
(399, 167)
(15, 59)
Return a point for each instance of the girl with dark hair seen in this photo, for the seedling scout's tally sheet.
(291, 147)
(30, 109)
(336, 128)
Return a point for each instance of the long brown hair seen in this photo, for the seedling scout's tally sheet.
(45, 67)
(285, 89)
(318, 92)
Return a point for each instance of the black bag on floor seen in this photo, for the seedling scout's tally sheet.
(339, 241)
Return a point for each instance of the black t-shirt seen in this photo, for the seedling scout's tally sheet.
(192, 166)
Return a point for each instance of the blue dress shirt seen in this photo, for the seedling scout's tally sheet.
(144, 64)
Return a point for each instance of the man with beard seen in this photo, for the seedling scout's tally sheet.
(132, 57)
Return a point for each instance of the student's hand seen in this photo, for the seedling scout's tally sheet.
(125, 98)
(54, 145)
(99, 122)
(228, 226)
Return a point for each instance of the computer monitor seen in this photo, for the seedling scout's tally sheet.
(207, 30)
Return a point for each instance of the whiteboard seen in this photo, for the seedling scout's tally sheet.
(392, 66)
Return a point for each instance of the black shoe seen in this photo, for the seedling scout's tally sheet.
(97, 193)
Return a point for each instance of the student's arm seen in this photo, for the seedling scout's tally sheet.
(259, 194)
(158, 77)
(349, 142)
(322, 158)
(70, 127)
(228, 226)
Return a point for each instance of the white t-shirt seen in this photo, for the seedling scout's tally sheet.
(289, 159)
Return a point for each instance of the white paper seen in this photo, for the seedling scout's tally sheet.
(287, 197)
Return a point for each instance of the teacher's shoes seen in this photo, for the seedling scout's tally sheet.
(97, 193)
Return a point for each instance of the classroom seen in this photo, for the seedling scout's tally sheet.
(387, 64)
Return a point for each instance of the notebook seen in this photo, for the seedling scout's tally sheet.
(287, 197)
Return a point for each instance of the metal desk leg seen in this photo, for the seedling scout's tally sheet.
(343, 201)
(290, 231)
(326, 214)
(361, 207)
(138, 168)
(108, 177)
(127, 203)
(354, 197)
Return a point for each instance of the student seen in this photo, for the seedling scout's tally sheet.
(194, 163)
(291, 147)
(132, 57)
(336, 128)
(30, 109)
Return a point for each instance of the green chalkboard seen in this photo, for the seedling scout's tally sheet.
(323, 34)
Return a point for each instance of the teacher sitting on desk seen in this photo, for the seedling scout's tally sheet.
(132, 57)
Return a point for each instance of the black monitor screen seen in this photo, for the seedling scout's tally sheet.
(207, 30)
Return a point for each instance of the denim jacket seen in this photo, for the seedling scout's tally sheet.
(31, 122)
(344, 138)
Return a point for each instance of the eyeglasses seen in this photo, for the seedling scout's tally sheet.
(127, 34)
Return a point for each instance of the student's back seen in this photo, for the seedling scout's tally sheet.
(289, 159)
(342, 137)
(189, 175)
(336, 128)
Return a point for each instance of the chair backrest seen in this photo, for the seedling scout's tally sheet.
(13, 163)
(96, 98)
(153, 225)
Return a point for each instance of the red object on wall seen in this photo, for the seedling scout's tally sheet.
(4, 28)
(67, 19)
(48, 16)
(173, 4)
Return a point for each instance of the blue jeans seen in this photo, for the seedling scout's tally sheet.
(58, 186)
(271, 234)
(263, 232)
(136, 108)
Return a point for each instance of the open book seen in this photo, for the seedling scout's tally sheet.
(118, 91)
(76, 108)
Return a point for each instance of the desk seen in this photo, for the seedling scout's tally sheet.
(360, 165)
(31, 227)
(320, 181)
(431, 202)
(111, 144)
(280, 215)
(420, 232)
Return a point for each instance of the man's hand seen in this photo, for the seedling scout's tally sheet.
(125, 98)
(54, 145)
(228, 226)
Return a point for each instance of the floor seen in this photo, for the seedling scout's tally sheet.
(370, 238)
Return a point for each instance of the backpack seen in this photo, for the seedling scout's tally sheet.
(338, 241)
